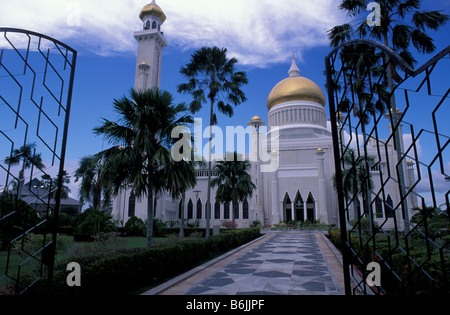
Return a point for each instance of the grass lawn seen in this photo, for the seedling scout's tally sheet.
(71, 248)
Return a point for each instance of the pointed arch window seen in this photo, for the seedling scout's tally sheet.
(236, 210)
(389, 207)
(379, 208)
(226, 211)
(217, 210)
(147, 25)
(154, 25)
(180, 210)
(199, 208)
(190, 209)
(132, 205)
(245, 210)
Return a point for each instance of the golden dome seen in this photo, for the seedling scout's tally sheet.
(256, 118)
(153, 9)
(295, 88)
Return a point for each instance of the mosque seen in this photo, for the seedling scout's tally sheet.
(300, 188)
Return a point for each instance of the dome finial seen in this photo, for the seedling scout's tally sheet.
(294, 71)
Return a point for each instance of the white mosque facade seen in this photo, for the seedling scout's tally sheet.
(300, 188)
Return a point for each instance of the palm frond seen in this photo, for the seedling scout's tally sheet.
(430, 19)
(422, 42)
(340, 34)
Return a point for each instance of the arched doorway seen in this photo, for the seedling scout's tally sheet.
(310, 208)
(287, 208)
(299, 208)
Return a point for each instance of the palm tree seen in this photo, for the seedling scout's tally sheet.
(28, 156)
(51, 185)
(182, 176)
(394, 30)
(212, 77)
(141, 139)
(233, 180)
(356, 177)
(92, 189)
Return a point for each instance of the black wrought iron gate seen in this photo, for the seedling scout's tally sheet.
(391, 136)
(36, 82)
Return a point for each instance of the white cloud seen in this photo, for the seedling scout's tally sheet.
(438, 180)
(258, 32)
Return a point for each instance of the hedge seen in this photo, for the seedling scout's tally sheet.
(187, 231)
(130, 270)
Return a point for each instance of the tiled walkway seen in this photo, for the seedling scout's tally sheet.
(286, 264)
(280, 264)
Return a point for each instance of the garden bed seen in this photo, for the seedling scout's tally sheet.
(421, 271)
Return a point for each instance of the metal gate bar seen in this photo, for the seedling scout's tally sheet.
(36, 85)
(392, 195)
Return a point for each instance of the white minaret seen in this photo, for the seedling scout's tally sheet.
(151, 42)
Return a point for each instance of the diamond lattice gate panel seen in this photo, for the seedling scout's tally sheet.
(36, 81)
(392, 159)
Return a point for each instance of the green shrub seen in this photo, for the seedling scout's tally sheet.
(256, 224)
(188, 231)
(128, 270)
(422, 272)
(135, 227)
(90, 223)
(335, 237)
(11, 226)
(159, 227)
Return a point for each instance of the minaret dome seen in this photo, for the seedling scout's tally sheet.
(153, 9)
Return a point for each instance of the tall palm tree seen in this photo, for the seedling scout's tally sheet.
(28, 156)
(233, 180)
(402, 25)
(212, 77)
(141, 139)
(92, 189)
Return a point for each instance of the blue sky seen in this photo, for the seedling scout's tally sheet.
(262, 34)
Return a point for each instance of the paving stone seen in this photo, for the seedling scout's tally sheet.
(285, 264)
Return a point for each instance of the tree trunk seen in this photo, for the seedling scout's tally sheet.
(20, 183)
(149, 240)
(397, 142)
(208, 198)
(182, 215)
